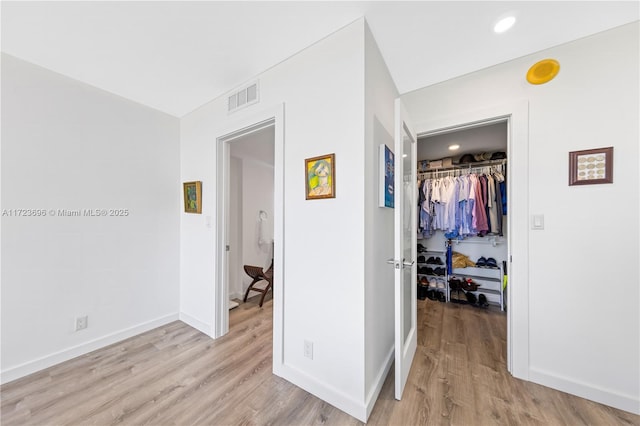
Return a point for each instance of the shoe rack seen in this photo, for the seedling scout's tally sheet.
(487, 280)
(432, 277)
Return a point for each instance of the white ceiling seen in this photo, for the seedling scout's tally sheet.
(476, 140)
(176, 56)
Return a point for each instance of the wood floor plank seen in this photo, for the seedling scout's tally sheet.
(175, 375)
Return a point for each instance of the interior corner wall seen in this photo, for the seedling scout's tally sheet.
(197, 231)
(322, 89)
(90, 201)
(380, 95)
(584, 323)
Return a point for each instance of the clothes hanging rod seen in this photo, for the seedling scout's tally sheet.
(468, 166)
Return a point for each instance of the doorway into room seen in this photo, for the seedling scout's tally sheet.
(250, 212)
(250, 228)
(463, 265)
(515, 229)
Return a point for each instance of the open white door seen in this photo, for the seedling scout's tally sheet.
(405, 247)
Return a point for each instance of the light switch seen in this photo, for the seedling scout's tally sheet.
(537, 222)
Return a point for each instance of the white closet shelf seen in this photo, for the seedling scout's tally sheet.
(494, 241)
(467, 167)
(475, 277)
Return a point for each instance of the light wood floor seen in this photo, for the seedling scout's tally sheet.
(175, 375)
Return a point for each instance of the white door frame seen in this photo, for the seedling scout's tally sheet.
(244, 126)
(517, 117)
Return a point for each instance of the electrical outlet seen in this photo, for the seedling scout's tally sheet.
(308, 349)
(82, 322)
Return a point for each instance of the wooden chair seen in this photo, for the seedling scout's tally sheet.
(257, 274)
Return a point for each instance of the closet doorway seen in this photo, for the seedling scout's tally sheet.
(463, 253)
(516, 117)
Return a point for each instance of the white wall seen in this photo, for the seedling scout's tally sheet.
(66, 145)
(257, 195)
(322, 89)
(584, 325)
(380, 94)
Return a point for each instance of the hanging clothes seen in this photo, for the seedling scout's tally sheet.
(480, 208)
(492, 206)
(466, 205)
(424, 210)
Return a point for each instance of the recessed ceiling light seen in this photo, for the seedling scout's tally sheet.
(504, 24)
(405, 155)
(453, 147)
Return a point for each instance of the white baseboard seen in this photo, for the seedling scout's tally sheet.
(323, 391)
(197, 324)
(47, 361)
(238, 296)
(372, 396)
(587, 391)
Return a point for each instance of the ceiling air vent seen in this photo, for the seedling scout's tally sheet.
(244, 97)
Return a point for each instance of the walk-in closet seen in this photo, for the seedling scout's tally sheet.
(463, 217)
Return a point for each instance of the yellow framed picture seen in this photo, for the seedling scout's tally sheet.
(193, 197)
(320, 177)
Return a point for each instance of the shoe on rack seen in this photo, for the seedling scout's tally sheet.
(491, 263)
(458, 296)
(455, 284)
(438, 261)
(441, 297)
(482, 301)
(430, 261)
(421, 248)
(471, 298)
(469, 285)
(481, 262)
(421, 259)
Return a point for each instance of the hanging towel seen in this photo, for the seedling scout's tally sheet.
(262, 228)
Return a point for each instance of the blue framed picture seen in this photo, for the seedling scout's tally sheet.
(387, 177)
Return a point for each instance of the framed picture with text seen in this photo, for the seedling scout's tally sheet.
(591, 166)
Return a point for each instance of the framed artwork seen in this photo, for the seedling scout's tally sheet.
(386, 177)
(591, 166)
(320, 177)
(193, 197)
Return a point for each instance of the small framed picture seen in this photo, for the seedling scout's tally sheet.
(320, 177)
(193, 197)
(591, 166)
